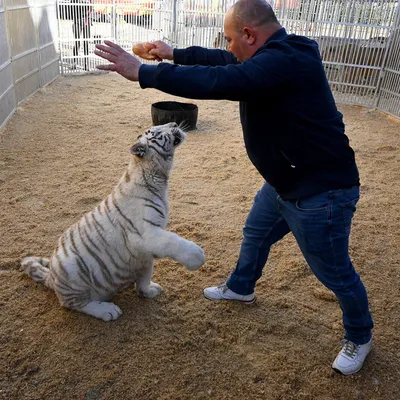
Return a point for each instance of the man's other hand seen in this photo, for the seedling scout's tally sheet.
(122, 62)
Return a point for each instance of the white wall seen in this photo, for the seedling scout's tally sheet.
(29, 57)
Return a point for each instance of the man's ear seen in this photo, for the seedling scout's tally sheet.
(138, 149)
(249, 35)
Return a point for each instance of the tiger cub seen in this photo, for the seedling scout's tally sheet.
(115, 244)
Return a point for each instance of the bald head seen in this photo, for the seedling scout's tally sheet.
(254, 13)
(247, 26)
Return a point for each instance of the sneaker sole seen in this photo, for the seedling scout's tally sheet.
(247, 302)
(346, 374)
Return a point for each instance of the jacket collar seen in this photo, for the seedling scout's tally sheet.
(280, 34)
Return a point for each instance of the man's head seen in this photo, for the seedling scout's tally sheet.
(248, 24)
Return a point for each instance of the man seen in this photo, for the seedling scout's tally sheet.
(294, 135)
(81, 27)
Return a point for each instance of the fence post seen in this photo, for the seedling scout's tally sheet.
(388, 53)
(8, 63)
(174, 22)
(38, 55)
(114, 22)
(59, 37)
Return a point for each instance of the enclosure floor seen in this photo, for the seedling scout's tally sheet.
(62, 153)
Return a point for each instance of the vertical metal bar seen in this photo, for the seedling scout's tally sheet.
(114, 30)
(174, 21)
(390, 50)
(60, 53)
(75, 41)
(37, 42)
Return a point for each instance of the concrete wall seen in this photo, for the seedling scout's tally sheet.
(29, 57)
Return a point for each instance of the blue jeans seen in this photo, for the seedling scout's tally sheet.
(321, 225)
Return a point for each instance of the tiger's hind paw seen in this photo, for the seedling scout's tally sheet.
(101, 310)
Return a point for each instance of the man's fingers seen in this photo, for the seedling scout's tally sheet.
(110, 47)
(114, 45)
(107, 49)
(106, 56)
(107, 67)
(154, 52)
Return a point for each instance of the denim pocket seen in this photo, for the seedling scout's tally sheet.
(313, 203)
(348, 210)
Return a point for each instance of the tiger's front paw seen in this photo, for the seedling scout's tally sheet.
(101, 310)
(153, 290)
(193, 257)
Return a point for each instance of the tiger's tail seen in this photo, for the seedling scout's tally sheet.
(36, 268)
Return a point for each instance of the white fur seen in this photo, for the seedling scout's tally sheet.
(90, 264)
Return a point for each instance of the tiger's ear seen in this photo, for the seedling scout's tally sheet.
(138, 149)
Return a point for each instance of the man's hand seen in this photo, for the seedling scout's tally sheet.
(124, 63)
(162, 50)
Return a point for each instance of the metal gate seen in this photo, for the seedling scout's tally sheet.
(388, 98)
(82, 24)
(358, 39)
(181, 23)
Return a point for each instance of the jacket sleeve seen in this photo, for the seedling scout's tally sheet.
(267, 71)
(196, 55)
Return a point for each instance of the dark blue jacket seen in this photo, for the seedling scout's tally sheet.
(293, 132)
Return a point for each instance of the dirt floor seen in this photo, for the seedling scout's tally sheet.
(62, 153)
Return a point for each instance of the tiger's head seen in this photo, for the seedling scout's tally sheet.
(159, 142)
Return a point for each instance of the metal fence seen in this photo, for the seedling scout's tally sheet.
(359, 39)
(28, 56)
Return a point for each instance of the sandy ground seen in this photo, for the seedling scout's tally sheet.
(66, 148)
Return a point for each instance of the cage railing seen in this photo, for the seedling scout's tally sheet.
(358, 39)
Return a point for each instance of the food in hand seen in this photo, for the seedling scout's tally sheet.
(142, 50)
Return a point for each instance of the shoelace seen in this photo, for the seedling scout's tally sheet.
(350, 349)
(222, 286)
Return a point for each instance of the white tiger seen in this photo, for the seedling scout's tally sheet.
(115, 244)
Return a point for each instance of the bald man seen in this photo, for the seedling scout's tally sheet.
(294, 136)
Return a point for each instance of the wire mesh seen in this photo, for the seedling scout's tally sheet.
(358, 39)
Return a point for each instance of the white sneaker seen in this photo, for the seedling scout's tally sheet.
(351, 358)
(222, 292)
